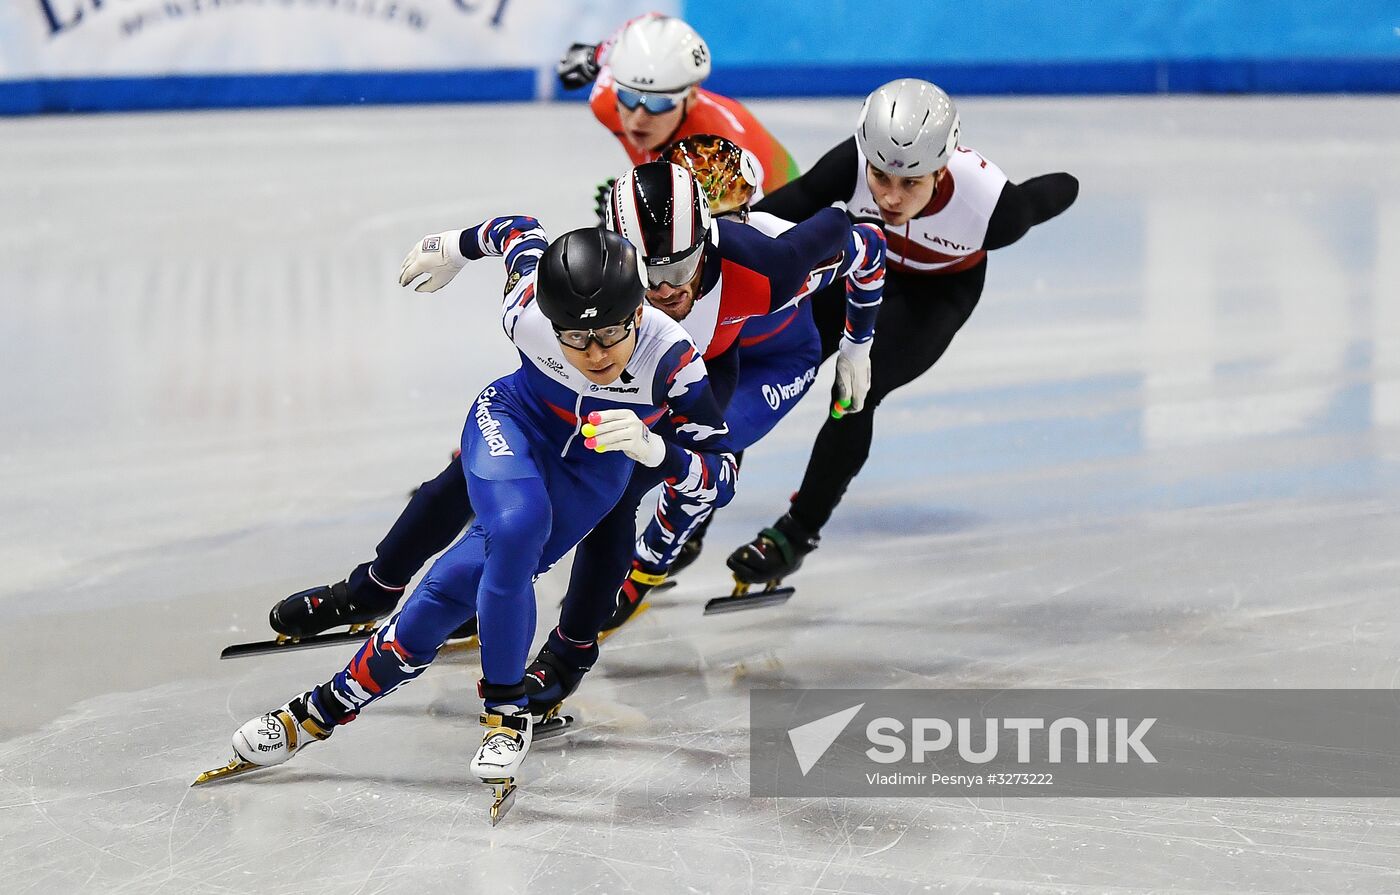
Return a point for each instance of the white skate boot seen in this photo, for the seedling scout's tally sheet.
(509, 730)
(270, 740)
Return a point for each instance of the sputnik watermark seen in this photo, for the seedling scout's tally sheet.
(1114, 740)
(811, 740)
(1075, 742)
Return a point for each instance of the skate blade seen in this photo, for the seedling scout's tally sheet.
(465, 645)
(641, 608)
(232, 769)
(285, 644)
(504, 799)
(552, 726)
(772, 596)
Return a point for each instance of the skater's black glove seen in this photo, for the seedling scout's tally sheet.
(602, 199)
(579, 66)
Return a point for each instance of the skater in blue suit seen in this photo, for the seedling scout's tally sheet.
(547, 451)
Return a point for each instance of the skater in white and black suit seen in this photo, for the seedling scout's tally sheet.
(943, 207)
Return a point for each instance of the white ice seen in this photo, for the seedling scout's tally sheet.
(1165, 452)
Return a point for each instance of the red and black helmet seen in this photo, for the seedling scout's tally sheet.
(661, 210)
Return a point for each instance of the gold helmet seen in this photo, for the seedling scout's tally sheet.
(726, 173)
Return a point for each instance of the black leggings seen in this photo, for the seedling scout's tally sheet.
(434, 516)
(917, 322)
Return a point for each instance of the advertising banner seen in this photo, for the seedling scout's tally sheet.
(97, 38)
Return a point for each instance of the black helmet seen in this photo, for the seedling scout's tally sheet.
(589, 278)
(661, 209)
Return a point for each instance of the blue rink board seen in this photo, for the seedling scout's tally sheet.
(1380, 75)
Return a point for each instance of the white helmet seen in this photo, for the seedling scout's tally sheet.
(908, 128)
(659, 54)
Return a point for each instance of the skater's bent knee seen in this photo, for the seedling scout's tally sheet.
(443, 593)
(523, 526)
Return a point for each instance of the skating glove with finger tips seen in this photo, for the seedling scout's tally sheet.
(439, 255)
(623, 430)
(578, 67)
(852, 377)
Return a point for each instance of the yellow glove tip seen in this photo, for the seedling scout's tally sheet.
(589, 430)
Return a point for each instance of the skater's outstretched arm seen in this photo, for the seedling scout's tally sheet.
(831, 179)
(518, 238)
(789, 259)
(581, 63)
(1023, 205)
(863, 266)
(521, 241)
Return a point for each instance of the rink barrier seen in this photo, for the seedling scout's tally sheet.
(266, 90)
(1209, 76)
(1350, 75)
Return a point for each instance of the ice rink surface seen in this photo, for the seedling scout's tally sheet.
(1164, 452)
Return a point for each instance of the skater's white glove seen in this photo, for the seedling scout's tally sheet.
(623, 430)
(852, 377)
(439, 255)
